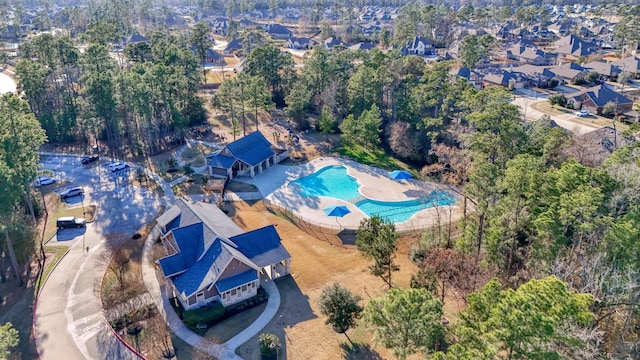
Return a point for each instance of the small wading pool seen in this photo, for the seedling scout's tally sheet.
(333, 181)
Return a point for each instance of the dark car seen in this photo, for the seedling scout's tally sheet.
(71, 192)
(70, 221)
(89, 160)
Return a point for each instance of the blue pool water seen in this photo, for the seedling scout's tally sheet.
(333, 181)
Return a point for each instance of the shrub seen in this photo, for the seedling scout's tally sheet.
(188, 170)
(553, 83)
(206, 314)
(269, 344)
(172, 162)
(558, 99)
(609, 109)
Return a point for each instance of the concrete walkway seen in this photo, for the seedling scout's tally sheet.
(225, 351)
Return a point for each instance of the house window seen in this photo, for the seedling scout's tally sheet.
(253, 284)
(233, 292)
(244, 288)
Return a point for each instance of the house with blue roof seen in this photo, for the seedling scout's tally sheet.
(249, 155)
(209, 258)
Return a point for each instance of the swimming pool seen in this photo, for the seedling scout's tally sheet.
(333, 181)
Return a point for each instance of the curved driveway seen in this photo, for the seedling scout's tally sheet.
(68, 320)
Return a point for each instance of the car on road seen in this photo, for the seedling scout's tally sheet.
(113, 167)
(71, 192)
(70, 222)
(44, 181)
(583, 113)
(89, 160)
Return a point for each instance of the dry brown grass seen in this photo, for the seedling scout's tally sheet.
(315, 264)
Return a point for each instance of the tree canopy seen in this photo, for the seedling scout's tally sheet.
(406, 321)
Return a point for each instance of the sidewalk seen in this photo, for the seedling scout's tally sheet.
(225, 351)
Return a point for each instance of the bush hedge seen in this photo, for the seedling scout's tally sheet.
(207, 314)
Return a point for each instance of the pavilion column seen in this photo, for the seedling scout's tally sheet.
(253, 171)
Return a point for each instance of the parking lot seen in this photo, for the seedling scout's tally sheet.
(68, 321)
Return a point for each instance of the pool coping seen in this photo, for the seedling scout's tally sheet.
(374, 184)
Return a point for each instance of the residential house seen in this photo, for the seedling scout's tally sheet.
(332, 42)
(562, 28)
(219, 26)
(607, 70)
(629, 64)
(277, 31)
(233, 46)
(209, 258)
(505, 78)
(245, 156)
(474, 77)
(538, 75)
(505, 32)
(212, 58)
(568, 72)
(419, 46)
(573, 47)
(527, 55)
(364, 46)
(595, 98)
(300, 43)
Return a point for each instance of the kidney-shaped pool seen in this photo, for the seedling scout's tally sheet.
(333, 181)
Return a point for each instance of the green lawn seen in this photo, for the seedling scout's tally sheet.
(375, 157)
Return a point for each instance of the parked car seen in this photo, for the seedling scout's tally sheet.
(71, 192)
(44, 181)
(70, 221)
(89, 160)
(583, 113)
(117, 166)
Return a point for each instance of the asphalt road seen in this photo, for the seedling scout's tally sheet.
(69, 323)
(565, 120)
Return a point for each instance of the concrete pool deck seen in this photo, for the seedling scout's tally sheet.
(374, 183)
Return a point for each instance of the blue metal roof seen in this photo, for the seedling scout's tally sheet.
(191, 280)
(237, 280)
(222, 161)
(190, 246)
(256, 242)
(173, 224)
(251, 149)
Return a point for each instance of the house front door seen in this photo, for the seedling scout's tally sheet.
(199, 297)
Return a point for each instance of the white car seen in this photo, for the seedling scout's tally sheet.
(117, 166)
(583, 113)
(71, 192)
(44, 181)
